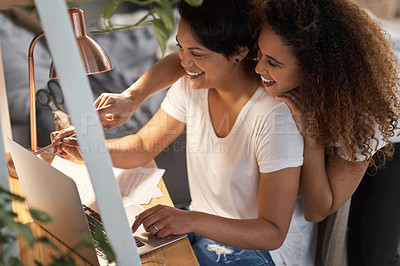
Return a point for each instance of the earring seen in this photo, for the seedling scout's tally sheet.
(237, 60)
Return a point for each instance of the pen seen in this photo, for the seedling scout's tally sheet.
(50, 146)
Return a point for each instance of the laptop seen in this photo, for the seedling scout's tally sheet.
(49, 190)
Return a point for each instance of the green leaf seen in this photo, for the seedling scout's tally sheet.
(14, 262)
(160, 32)
(166, 15)
(109, 11)
(48, 242)
(87, 240)
(40, 216)
(6, 216)
(104, 246)
(11, 195)
(4, 239)
(195, 3)
(118, 2)
(63, 260)
(140, 2)
(24, 231)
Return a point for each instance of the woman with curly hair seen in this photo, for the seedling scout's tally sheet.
(345, 100)
(334, 67)
(346, 106)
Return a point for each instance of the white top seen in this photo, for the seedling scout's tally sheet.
(396, 137)
(374, 147)
(376, 143)
(224, 172)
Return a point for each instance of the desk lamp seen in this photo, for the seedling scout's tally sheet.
(94, 58)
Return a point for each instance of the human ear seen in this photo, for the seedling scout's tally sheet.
(242, 53)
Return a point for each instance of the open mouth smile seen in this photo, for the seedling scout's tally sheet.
(267, 82)
(194, 75)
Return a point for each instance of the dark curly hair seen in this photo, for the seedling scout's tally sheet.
(350, 73)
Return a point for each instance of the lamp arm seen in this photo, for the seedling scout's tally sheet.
(32, 95)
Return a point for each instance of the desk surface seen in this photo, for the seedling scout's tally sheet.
(178, 253)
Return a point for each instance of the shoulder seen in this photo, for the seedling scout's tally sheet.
(269, 118)
(182, 85)
(265, 105)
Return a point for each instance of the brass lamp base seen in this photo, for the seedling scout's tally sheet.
(47, 157)
(11, 168)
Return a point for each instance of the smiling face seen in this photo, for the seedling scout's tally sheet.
(204, 68)
(278, 68)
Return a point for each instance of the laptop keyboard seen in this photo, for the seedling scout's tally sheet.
(92, 216)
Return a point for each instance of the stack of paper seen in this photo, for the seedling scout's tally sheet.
(137, 185)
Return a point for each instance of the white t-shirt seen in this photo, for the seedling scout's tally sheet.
(378, 142)
(374, 146)
(224, 172)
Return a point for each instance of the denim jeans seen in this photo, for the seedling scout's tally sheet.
(209, 252)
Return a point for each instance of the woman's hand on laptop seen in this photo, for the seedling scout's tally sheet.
(164, 221)
(66, 143)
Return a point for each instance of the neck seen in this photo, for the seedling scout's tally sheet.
(242, 87)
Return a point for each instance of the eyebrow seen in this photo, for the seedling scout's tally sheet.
(270, 57)
(190, 48)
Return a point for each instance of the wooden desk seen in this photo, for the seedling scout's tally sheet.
(178, 253)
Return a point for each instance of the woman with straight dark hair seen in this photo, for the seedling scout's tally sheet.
(244, 151)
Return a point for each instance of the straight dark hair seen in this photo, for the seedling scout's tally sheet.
(219, 25)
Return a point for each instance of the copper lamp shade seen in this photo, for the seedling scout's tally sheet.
(94, 58)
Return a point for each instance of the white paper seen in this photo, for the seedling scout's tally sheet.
(137, 185)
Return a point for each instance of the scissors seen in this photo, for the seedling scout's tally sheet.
(54, 99)
(53, 95)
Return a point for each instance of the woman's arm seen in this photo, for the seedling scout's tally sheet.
(115, 109)
(277, 198)
(138, 149)
(132, 150)
(324, 185)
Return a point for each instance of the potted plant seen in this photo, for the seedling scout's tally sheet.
(160, 16)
